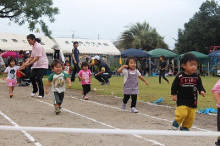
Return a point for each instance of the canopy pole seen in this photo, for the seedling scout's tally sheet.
(178, 62)
(150, 66)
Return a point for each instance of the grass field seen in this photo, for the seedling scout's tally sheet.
(154, 91)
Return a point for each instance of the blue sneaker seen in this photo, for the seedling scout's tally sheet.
(175, 125)
(184, 129)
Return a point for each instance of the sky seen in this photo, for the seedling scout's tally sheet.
(109, 18)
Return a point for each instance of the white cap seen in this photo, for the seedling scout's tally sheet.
(55, 47)
(97, 57)
(27, 52)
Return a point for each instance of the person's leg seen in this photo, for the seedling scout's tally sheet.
(39, 80)
(84, 90)
(133, 100)
(106, 77)
(188, 122)
(74, 73)
(165, 78)
(160, 77)
(61, 97)
(89, 88)
(126, 98)
(33, 80)
(218, 125)
(180, 114)
(99, 78)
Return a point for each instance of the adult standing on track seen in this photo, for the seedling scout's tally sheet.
(40, 64)
(75, 57)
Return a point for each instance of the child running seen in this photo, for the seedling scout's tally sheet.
(131, 83)
(216, 95)
(85, 76)
(184, 90)
(57, 78)
(11, 70)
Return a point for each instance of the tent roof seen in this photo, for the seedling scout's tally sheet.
(17, 42)
(156, 53)
(99, 47)
(215, 54)
(13, 42)
(197, 54)
(134, 53)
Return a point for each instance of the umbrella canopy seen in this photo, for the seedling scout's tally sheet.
(11, 54)
(215, 54)
(197, 54)
(137, 53)
(156, 53)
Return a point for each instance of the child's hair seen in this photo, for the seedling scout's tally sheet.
(128, 60)
(10, 60)
(67, 61)
(163, 57)
(32, 37)
(74, 43)
(21, 52)
(56, 62)
(85, 64)
(188, 57)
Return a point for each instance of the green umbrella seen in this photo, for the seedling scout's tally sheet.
(156, 53)
(197, 54)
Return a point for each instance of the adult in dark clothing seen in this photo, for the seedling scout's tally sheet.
(75, 59)
(58, 54)
(143, 66)
(162, 68)
(104, 71)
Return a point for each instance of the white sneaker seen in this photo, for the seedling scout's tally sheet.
(33, 94)
(133, 110)
(123, 106)
(39, 96)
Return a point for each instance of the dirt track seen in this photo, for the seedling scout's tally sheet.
(103, 110)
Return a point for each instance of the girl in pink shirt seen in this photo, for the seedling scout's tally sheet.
(216, 94)
(85, 76)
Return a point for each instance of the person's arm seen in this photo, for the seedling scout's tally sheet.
(62, 56)
(80, 76)
(122, 67)
(74, 59)
(69, 82)
(174, 88)
(143, 79)
(90, 76)
(21, 73)
(47, 87)
(3, 76)
(200, 87)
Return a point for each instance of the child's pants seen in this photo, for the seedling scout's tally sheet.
(133, 99)
(86, 88)
(58, 97)
(185, 115)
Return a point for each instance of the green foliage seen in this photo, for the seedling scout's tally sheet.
(141, 36)
(30, 11)
(201, 31)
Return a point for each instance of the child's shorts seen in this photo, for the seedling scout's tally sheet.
(11, 82)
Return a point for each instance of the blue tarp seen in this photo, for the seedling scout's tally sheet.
(137, 53)
(215, 54)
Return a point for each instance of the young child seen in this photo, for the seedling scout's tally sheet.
(11, 70)
(216, 95)
(131, 82)
(162, 68)
(20, 74)
(184, 90)
(67, 67)
(85, 76)
(57, 78)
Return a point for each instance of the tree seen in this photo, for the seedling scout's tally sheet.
(30, 11)
(201, 31)
(141, 36)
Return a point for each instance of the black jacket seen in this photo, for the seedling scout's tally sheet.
(186, 87)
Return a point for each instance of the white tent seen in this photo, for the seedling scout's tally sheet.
(99, 47)
(13, 42)
(47, 43)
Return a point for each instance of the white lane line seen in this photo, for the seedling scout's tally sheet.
(102, 123)
(153, 117)
(31, 138)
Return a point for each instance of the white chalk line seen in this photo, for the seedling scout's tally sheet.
(31, 138)
(102, 123)
(153, 117)
(112, 131)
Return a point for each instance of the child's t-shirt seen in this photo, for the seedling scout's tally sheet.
(12, 72)
(125, 73)
(85, 75)
(58, 81)
(216, 88)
